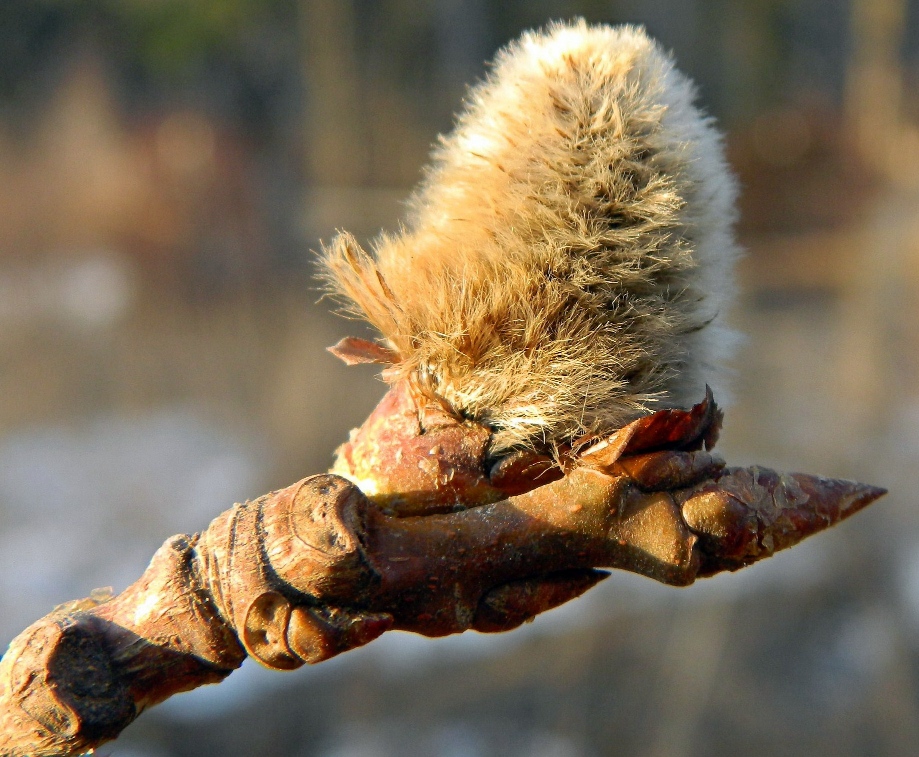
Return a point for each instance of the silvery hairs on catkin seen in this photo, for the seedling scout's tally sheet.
(568, 260)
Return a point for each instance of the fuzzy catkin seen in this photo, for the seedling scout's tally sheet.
(568, 258)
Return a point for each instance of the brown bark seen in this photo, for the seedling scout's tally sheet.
(318, 568)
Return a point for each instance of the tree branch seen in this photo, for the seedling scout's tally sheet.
(318, 568)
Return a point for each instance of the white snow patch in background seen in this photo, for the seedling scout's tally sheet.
(246, 685)
(89, 291)
(87, 507)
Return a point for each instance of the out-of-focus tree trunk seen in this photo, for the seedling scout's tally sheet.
(890, 149)
(874, 86)
(336, 137)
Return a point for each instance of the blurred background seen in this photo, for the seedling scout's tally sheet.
(166, 167)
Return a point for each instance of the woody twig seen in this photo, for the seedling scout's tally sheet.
(313, 570)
